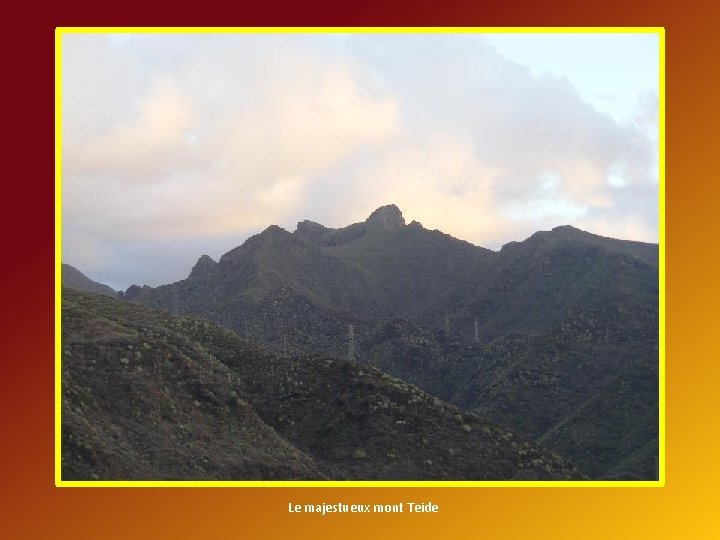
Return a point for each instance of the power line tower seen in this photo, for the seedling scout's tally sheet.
(476, 336)
(351, 342)
(447, 324)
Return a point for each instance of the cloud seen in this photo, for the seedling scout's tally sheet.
(156, 136)
(488, 152)
(184, 141)
(216, 142)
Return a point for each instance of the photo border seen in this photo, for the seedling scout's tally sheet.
(59, 482)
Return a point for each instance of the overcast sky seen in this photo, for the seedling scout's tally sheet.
(180, 145)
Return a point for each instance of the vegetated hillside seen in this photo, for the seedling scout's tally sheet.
(141, 400)
(276, 289)
(148, 395)
(73, 278)
(587, 390)
(530, 286)
(474, 327)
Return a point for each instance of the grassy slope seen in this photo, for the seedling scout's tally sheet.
(150, 395)
(142, 401)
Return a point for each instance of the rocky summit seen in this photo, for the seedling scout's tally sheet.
(553, 338)
(386, 217)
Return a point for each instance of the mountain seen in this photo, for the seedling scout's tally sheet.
(416, 266)
(532, 285)
(75, 279)
(576, 390)
(150, 395)
(554, 337)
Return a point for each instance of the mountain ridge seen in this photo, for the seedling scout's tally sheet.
(496, 332)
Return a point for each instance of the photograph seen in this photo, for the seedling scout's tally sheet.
(372, 256)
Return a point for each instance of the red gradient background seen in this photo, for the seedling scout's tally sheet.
(31, 507)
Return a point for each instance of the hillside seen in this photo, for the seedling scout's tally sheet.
(586, 389)
(531, 286)
(148, 395)
(73, 278)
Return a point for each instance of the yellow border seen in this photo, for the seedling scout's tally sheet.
(58, 254)
(661, 254)
(363, 30)
(60, 31)
(361, 483)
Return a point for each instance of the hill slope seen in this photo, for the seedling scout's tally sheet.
(75, 279)
(150, 395)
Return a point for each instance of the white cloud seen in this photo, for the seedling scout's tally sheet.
(184, 137)
(232, 154)
(145, 145)
(480, 138)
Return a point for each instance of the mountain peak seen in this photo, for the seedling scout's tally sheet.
(273, 233)
(204, 264)
(566, 228)
(386, 217)
(273, 230)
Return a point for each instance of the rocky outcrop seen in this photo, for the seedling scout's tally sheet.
(386, 217)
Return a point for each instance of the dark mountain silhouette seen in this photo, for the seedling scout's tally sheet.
(554, 337)
(149, 395)
(75, 279)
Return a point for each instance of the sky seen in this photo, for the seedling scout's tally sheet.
(174, 146)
